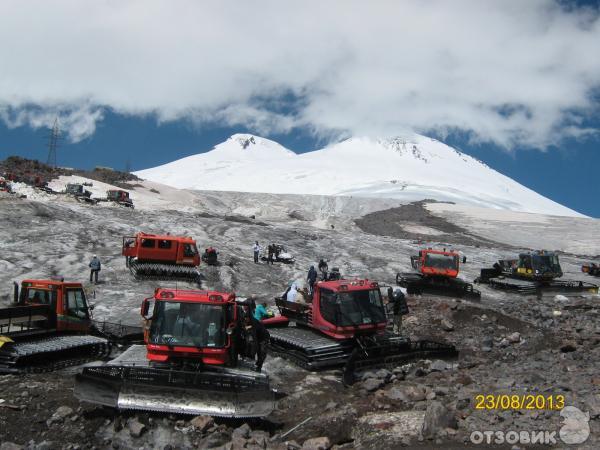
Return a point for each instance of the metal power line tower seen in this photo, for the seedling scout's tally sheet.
(53, 139)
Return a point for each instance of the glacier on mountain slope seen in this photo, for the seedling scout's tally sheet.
(404, 168)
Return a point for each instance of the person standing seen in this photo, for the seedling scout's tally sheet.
(271, 250)
(312, 279)
(256, 339)
(323, 268)
(256, 249)
(400, 309)
(95, 267)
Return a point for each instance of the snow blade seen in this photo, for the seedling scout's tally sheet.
(216, 392)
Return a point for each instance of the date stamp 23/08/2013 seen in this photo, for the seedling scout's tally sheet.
(519, 402)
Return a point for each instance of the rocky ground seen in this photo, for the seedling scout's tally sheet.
(509, 344)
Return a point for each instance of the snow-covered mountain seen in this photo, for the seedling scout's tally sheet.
(407, 168)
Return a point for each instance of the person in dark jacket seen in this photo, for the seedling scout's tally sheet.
(399, 309)
(323, 268)
(312, 279)
(95, 267)
(256, 339)
(271, 251)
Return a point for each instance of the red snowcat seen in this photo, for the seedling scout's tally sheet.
(48, 328)
(344, 325)
(189, 364)
(162, 256)
(437, 273)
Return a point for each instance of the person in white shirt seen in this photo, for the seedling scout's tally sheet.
(291, 295)
(256, 248)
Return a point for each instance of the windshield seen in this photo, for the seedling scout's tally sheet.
(188, 324)
(546, 263)
(40, 296)
(353, 308)
(437, 261)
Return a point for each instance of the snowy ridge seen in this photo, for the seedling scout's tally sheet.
(406, 168)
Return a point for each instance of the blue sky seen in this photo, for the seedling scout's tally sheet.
(141, 80)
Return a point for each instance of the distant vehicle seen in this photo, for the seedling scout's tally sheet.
(280, 254)
(5, 186)
(161, 256)
(120, 197)
(533, 272)
(591, 269)
(436, 272)
(80, 193)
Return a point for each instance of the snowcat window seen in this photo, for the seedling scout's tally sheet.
(76, 304)
(546, 263)
(328, 305)
(438, 261)
(164, 244)
(360, 308)
(188, 324)
(189, 250)
(148, 243)
(40, 296)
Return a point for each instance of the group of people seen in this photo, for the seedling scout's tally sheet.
(273, 251)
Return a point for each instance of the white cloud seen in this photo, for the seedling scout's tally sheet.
(511, 72)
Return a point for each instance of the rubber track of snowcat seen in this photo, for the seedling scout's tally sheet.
(531, 287)
(50, 354)
(313, 351)
(417, 284)
(152, 271)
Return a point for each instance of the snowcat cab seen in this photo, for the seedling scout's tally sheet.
(161, 256)
(120, 197)
(344, 325)
(437, 272)
(188, 366)
(48, 327)
(532, 273)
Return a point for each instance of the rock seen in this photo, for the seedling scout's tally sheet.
(10, 446)
(293, 445)
(446, 325)
(560, 298)
(415, 393)
(136, 428)
(215, 440)
(259, 437)
(504, 343)
(464, 379)
(372, 384)
(330, 406)
(318, 443)
(384, 374)
(242, 431)
(59, 415)
(568, 346)
(396, 393)
(487, 343)
(437, 418)
(202, 423)
(438, 366)
(514, 338)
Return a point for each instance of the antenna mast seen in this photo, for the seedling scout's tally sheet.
(53, 143)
